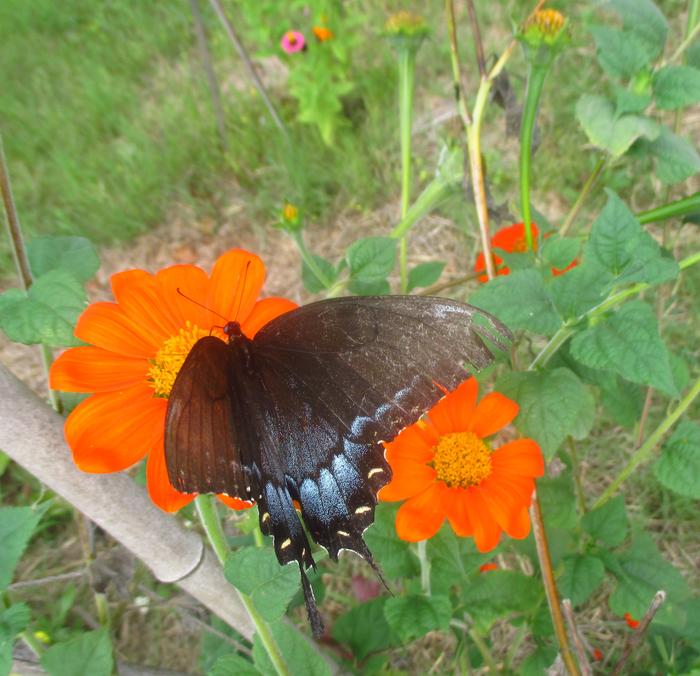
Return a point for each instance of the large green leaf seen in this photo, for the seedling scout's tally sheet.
(45, 314)
(75, 255)
(579, 289)
(424, 274)
(233, 665)
(646, 21)
(620, 245)
(627, 343)
(300, 656)
(89, 654)
(608, 523)
(16, 527)
(371, 259)
(609, 132)
(678, 468)
(311, 280)
(415, 615)
(502, 591)
(553, 405)
(582, 576)
(13, 620)
(676, 87)
(520, 300)
(621, 53)
(395, 556)
(256, 572)
(365, 630)
(641, 572)
(676, 158)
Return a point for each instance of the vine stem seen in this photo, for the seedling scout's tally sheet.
(215, 534)
(686, 43)
(535, 84)
(309, 259)
(407, 62)
(583, 195)
(19, 253)
(643, 454)
(424, 566)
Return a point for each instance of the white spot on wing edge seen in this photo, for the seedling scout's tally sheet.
(373, 471)
(363, 509)
(286, 543)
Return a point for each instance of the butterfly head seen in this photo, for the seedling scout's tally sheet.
(233, 330)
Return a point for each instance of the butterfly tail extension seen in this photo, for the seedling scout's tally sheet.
(317, 626)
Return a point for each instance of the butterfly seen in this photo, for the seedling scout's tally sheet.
(298, 414)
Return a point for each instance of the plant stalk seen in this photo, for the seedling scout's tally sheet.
(215, 534)
(308, 258)
(583, 195)
(643, 454)
(535, 84)
(677, 209)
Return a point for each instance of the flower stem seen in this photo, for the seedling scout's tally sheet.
(550, 586)
(484, 650)
(407, 62)
(215, 534)
(686, 43)
(308, 258)
(424, 567)
(643, 454)
(681, 207)
(535, 83)
(583, 195)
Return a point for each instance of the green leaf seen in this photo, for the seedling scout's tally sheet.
(13, 621)
(415, 615)
(621, 53)
(538, 662)
(233, 665)
(395, 557)
(311, 282)
(646, 20)
(622, 400)
(692, 54)
(676, 87)
(641, 572)
(558, 503)
(608, 132)
(256, 572)
(298, 652)
(582, 576)
(619, 244)
(360, 287)
(364, 629)
(676, 158)
(16, 527)
(452, 560)
(75, 255)
(45, 314)
(630, 101)
(553, 405)
(520, 300)
(678, 468)
(580, 289)
(627, 343)
(425, 274)
(89, 654)
(371, 259)
(559, 252)
(502, 591)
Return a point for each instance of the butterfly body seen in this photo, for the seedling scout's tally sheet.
(299, 411)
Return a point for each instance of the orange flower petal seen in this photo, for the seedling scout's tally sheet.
(487, 532)
(111, 432)
(414, 442)
(454, 411)
(106, 325)
(159, 487)
(92, 369)
(522, 457)
(519, 527)
(193, 285)
(235, 284)
(234, 503)
(409, 478)
(505, 504)
(457, 511)
(492, 413)
(420, 517)
(265, 311)
(139, 296)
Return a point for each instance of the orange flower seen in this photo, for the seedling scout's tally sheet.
(597, 655)
(443, 469)
(485, 568)
(512, 240)
(136, 347)
(322, 33)
(631, 622)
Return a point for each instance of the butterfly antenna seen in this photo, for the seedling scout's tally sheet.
(196, 302)
(242, 293)
(317, 626)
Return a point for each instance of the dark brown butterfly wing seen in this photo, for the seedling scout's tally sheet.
(203, 426)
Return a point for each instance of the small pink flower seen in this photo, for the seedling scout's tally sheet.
(292, 42)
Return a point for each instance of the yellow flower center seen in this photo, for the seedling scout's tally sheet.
(169, 359)
(462, 459)
(549, 21)
(290, 212)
